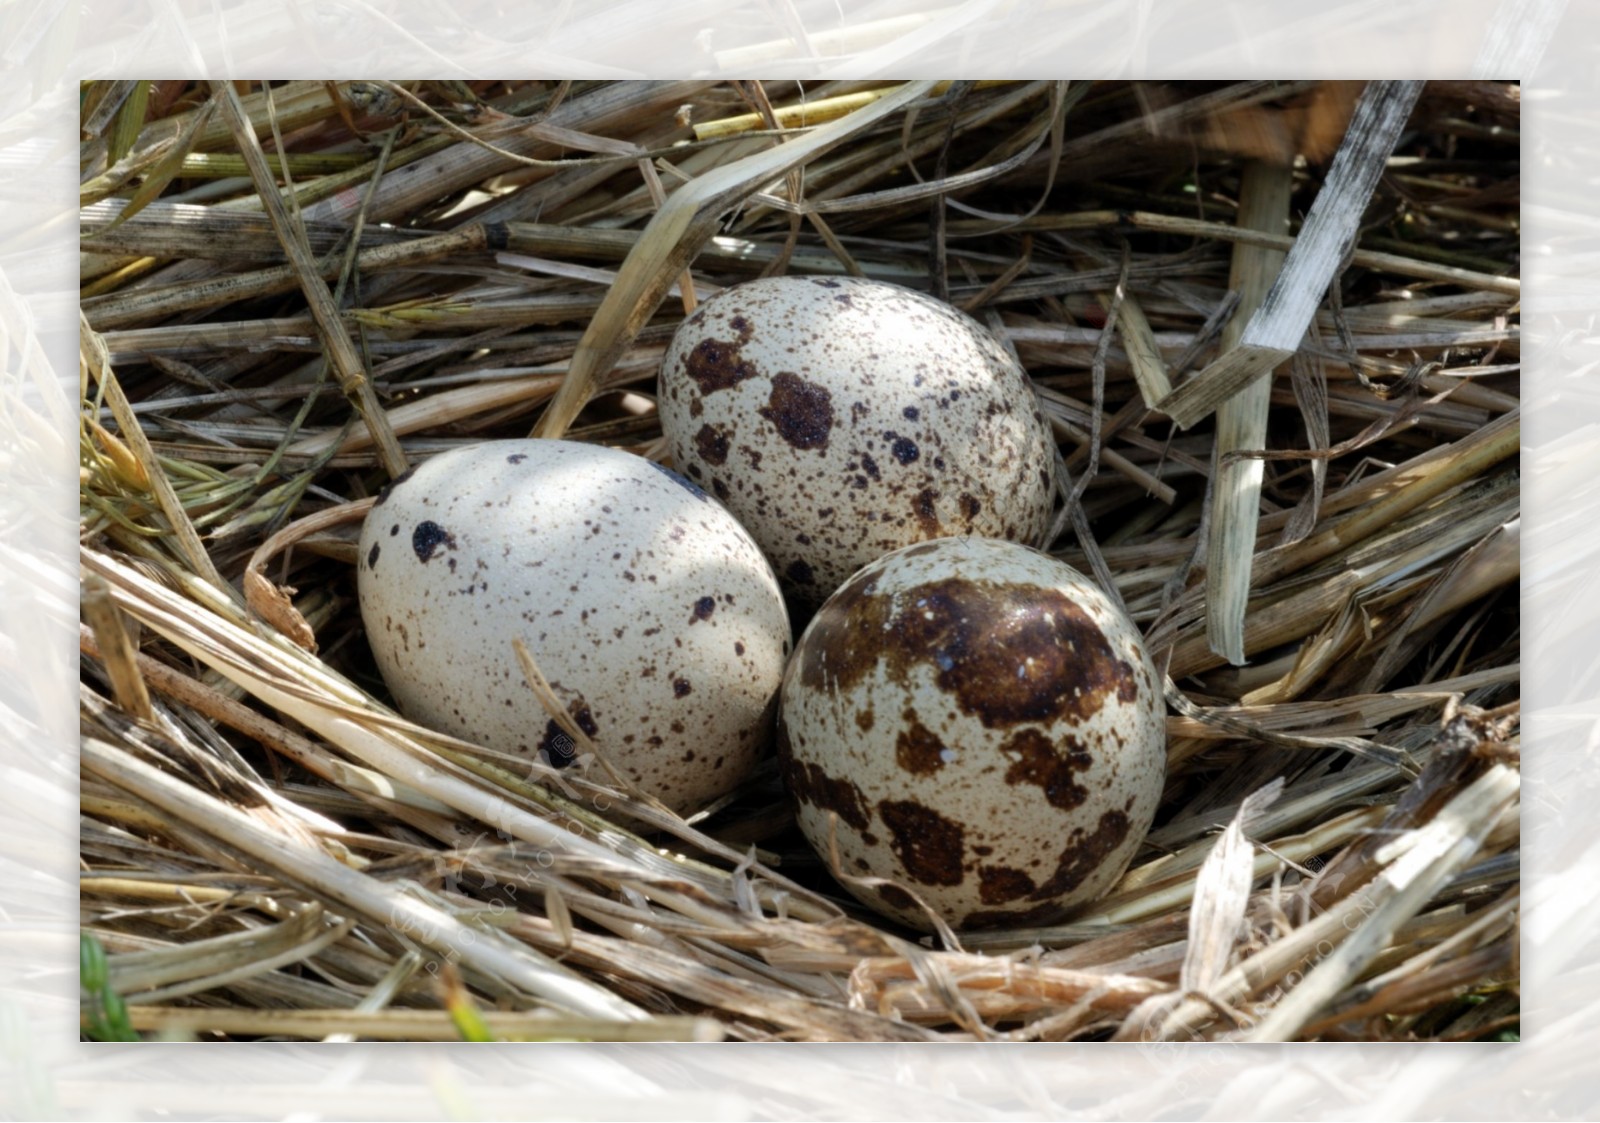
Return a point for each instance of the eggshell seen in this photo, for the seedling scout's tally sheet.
(647, 607)
(841, 418)
(985, 724)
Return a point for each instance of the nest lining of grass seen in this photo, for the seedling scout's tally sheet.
(269, 851)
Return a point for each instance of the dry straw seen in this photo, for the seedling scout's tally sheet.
(1273, 326)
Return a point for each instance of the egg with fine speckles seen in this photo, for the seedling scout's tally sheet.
(655, 619)
(842, 418)
(976, 723)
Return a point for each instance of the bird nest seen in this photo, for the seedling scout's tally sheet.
(1273, 326)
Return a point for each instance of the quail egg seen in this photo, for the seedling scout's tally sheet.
(653, 616)
(973, 721)
(842, 418)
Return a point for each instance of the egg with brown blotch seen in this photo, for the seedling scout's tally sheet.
(652, 614)
(841, 418)
(977, 723)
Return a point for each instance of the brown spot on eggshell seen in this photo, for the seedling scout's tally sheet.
(428, 537)
(1037, 760)
(703, 608)
(918, 749)
(929, 846)
(809, 783)
(717, 364)
(904, 449)
(894, 896)
(712, 443)
(1007, 653)
(801, 411)
(999, 885)
(1083, 855)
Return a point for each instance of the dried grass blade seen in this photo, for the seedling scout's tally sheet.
(265, 958)
(1242, 421)
(436, 409)
(1391, 990)
(1175, 892)
(680, 227)
(1221, 893)
(1311, 394)
(162, 965)
(1144, 356)
(1329, 232)
(130, 121)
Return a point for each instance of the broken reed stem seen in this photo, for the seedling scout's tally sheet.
(1280, 322)
(1242, 420)
(1139, 341)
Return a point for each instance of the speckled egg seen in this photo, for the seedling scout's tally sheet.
(652, 614)
(841, 418)
(986, 726)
